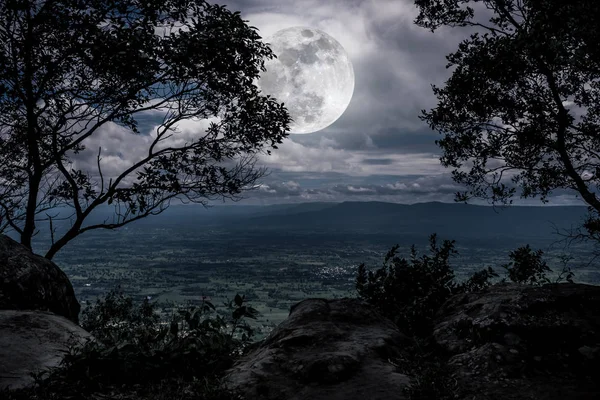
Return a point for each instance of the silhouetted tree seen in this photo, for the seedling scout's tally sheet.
(526, 266)
(410, 293)
(523, 101)
(69, 67)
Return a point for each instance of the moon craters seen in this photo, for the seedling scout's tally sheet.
(312, 75)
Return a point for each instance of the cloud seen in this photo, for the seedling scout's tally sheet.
(282, 189)
(394, 60)
(292, 156)
(405, 189)
(378, 161)
(391, 87)
(378, 150)
(120, 148)
(394, 188)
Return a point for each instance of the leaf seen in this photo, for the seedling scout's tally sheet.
(238, 313)
(251, 312)
(174, 329)
(194, 320)
(162, 334)
(238, 300)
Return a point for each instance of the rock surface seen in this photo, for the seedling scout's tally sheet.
(513, 341)
(325, 350)
(31, 282)
(31, 341)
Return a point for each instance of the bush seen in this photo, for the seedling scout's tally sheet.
(410, 293)
(527, 267)
(430, 375)
(135, 351)
(115, 319)
(478, 281)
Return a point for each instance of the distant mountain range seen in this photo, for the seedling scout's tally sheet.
(449, 220)
(452, 220)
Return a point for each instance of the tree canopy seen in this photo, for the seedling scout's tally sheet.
(70, 70)
(521, 109)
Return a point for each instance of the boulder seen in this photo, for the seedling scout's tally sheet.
(32, 282)
(325, 349)
(31, 341)
(513, 341)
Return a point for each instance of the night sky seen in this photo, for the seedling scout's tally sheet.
(378, 149)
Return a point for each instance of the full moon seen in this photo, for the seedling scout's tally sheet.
(312, 75)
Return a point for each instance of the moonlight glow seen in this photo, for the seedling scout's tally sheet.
(312, 75)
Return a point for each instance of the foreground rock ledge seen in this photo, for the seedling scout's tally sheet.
(521, 342)
(31, 341)
(324, 350)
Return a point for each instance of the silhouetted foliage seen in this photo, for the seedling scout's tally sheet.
(136, 350)
(69, 69)
(524, 97)
(567, 274)
(479, 280)
(527, 267)
(110, 314)
(410, 293)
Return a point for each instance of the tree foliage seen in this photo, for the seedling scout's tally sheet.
(527, 267)
(523, 100)
(71, 70)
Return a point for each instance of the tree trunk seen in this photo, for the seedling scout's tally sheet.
(34, 163)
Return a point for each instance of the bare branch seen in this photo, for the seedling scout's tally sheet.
(87, 76)
(100, 171)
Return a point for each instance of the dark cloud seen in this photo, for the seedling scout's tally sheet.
(378, 161)
(407, 189)
(420, 141)
(328, 185)
(378, 149)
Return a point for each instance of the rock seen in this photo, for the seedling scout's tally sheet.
(540, 339)
(31, 341)
(32, 282)
(590, 353)
(324, 350)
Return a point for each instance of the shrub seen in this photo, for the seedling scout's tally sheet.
(114, 318)
(478, 281)
(567, 274)
(527, 267)
(135, 351)
(410, 293)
